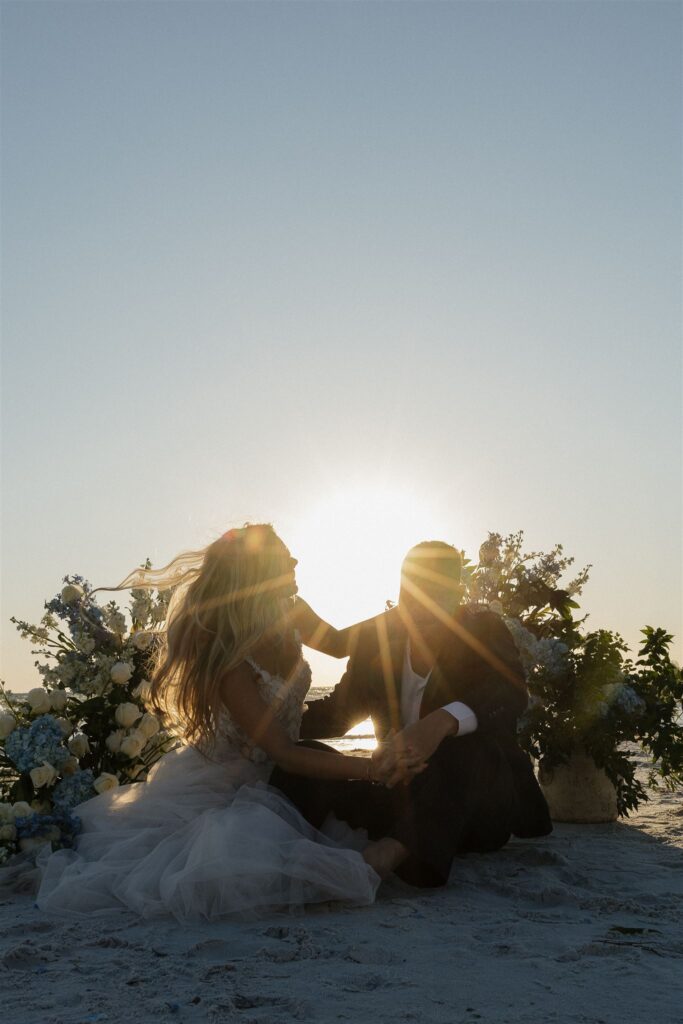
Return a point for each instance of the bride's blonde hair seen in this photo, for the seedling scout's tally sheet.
(226, 596)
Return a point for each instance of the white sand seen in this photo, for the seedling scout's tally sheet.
(584, 925)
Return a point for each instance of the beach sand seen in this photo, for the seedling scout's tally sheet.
(585, 925)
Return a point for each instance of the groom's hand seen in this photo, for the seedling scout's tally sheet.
(393, 763)
(424, 737)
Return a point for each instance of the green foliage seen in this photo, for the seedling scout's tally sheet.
(585, 690)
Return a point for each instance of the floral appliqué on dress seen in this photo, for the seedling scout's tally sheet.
(285, 696)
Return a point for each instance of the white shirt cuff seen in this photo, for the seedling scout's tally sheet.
(467, 720)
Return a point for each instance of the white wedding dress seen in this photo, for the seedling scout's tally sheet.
(205, 838)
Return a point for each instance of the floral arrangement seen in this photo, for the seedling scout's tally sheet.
(586, 692)
(86, 729)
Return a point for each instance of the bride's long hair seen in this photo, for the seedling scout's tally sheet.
(226, 597)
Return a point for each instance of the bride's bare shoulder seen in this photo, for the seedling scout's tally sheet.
(241, 676)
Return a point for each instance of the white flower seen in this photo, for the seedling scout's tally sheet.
(41, 806)
(496, 607)
(33, 842)
(142, 640)
(85, 643)
(127, 714)
(58, 699)
(39, 700)
(7, 723)
(158, 613)
(21, 809)
(142, 691)
(121, 672)
(78, 745)
(66, 672)
(104, 782)
(113, 741)
(131, 746)
(6, 813)
(65, 725)
(72, 592)
(69, 766)
(148, 725)
(8, 833)
(44, 775)
(117, 622)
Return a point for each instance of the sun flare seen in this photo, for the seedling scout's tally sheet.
(350, 546)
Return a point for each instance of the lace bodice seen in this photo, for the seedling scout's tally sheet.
(286, 696)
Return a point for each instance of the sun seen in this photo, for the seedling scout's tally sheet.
(350, 545)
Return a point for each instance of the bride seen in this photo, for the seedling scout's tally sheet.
(205, 835)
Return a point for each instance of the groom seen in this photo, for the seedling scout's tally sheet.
(445, 681)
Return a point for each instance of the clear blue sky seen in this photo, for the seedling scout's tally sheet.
(371, 271)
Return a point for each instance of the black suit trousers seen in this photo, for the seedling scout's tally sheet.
(464, 801)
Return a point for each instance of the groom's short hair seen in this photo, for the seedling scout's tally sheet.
(433, 560)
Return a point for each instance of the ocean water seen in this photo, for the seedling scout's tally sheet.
(360, 738)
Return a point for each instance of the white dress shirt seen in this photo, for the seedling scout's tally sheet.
(412, 690)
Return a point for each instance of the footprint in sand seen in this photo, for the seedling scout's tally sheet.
(23, 958)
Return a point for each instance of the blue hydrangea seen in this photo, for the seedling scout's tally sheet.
(41, 741)
(627, 700)
(73, 789)
(35, 825)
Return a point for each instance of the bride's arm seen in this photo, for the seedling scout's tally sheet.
(323, 637)
(315, 632)
(257, 719)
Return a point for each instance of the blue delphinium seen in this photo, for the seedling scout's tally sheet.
(35, 825)
(71, 613)
(73, 789)
(38, 742)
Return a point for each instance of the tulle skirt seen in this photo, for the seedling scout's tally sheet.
(200, 841)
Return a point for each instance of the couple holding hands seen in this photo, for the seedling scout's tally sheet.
(253, 811)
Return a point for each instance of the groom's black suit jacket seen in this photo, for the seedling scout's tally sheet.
(476, 663)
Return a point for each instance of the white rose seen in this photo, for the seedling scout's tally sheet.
(121, 672)
(6, 813)
(132, 745)
(69, 766)
(7, 833)
(104, 782)
(21, 809)
(78, 745)
(142, 640)
(496, 607)
(45, 775)
(65, 725)
(143, 690)
(32, 842)
(72, 592)
(148, 725)
(39, 700)
(7, 723)
(113, 741)
(58, 699)
(127, 714)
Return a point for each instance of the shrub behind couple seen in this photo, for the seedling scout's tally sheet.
(252, 810)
